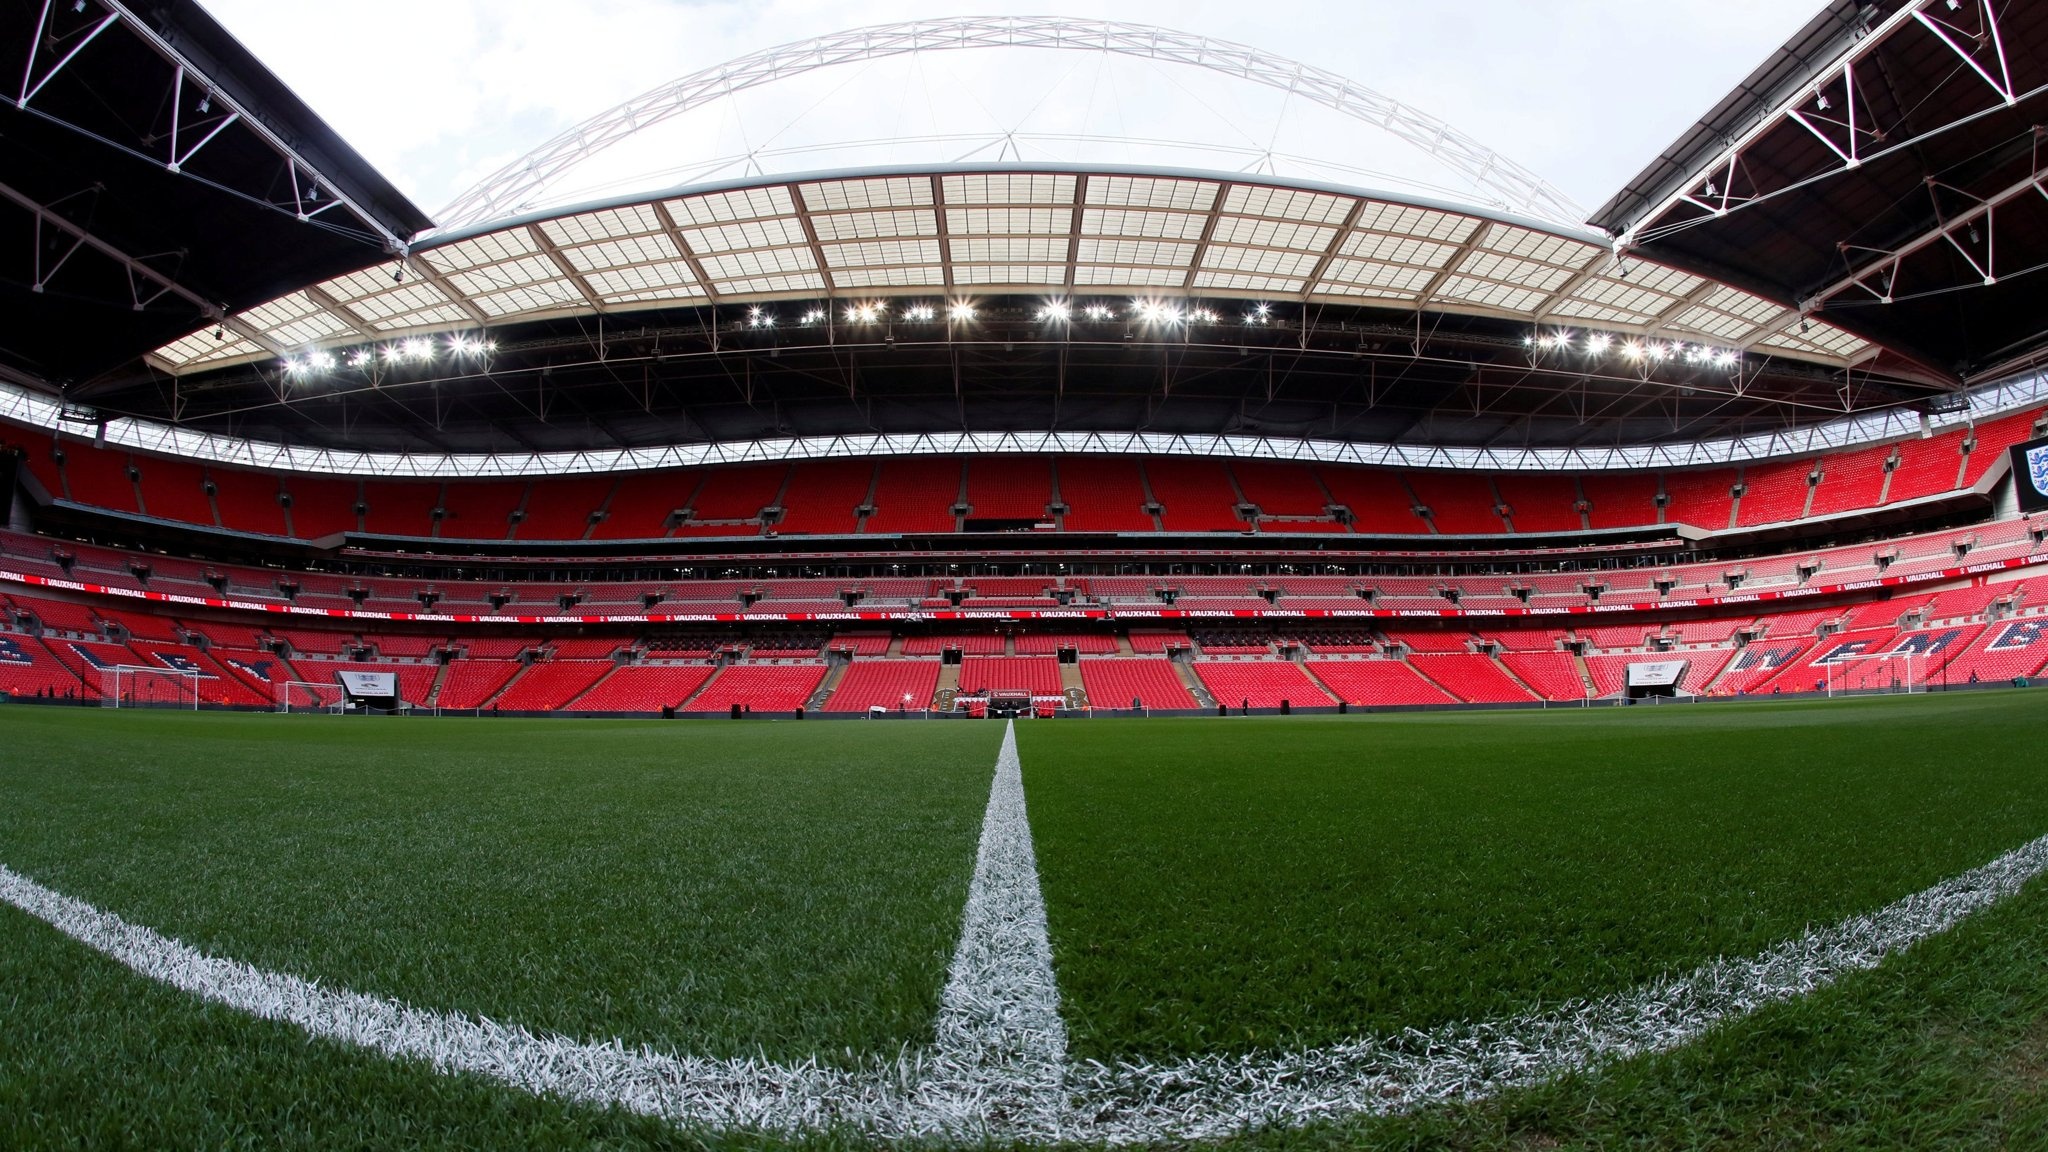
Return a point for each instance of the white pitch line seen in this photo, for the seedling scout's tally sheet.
(999, 1067)
(1001, 1050)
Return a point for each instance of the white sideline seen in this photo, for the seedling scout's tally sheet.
(1001, 1047)
(998, 1068)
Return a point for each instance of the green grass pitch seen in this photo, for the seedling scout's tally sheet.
(793, 889)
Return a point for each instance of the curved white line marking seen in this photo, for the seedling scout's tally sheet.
(999, 1068)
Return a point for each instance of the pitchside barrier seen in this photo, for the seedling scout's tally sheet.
(137, 686)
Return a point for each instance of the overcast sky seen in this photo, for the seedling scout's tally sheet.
(440, 93)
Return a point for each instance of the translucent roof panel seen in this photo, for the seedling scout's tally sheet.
(1109, 232)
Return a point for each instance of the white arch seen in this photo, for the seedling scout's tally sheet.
(505, 192)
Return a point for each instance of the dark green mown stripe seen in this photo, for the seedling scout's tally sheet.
(786, 888)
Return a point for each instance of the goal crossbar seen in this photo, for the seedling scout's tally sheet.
(309, 696)
(1877, 673)
(146, 686)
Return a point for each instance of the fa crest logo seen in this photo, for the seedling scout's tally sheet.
(2037, 468)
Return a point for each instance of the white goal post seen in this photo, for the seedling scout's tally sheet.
(1877, 673)
(141, 686)
(306, 696)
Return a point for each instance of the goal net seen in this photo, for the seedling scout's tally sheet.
(1877, 674)
(136, 686)
(304, 696)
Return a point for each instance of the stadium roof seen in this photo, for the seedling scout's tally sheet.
(155, 177)
(1883, 171)
(842, 238)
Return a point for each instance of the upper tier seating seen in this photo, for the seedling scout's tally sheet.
(1008, 487)
(891, 684)
(1850, 480)
(915, 494)
(1774, 492)
(1459, 503)
(1703, 499)
(1281, 488)
(400, 507)
(1115, 683)
(1541, 501)
(1103, 494)
(1195, 494)
(1619, 499)
(174, 490)
(643, 502)
(822, 496)
(918, 494)
(1380, 503)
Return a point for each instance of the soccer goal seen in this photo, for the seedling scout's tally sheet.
(137, 686)
(303, 696)
(1878, 673)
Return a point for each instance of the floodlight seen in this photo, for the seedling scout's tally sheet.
(1101, 312)
(919, 312)
(1055, 311)
(960, 310)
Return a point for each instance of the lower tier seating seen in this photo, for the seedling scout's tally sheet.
(1262, 683)
(891, 684)
(766, 688)
(1115, 683)
(1364, 683)
(644, 688)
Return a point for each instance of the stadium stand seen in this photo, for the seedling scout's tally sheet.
(1039, 675)
(471, 683)
(563, 510)
(1379, 503)
(1195, 494)
(973, 643)
(480, 509)
(1774, 492)
(1103, 494)
(1471, 677)
(247, 501)
(549, 685)
(2001, 652)
(1377, 683)
(1008, 487)
(1146, 641)
(99, 477)
(1992, 439)
(765, 688)
(1459, 503)
(1541, 502)
(1703, 499)
(1264, 683)
(643, 503)
(322, 507)
(1280, 488)
(174, 490)
(727, 502)
(1619, 499)
(400, 507)
(1115, 683)
(1553, 675)
(915, 494)
(27, 669)
(1850, 481)
(822, 495)
(643, 688)
(891, 684)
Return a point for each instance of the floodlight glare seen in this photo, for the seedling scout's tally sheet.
(1055, 311)
(1101, 312)
(960, 310)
